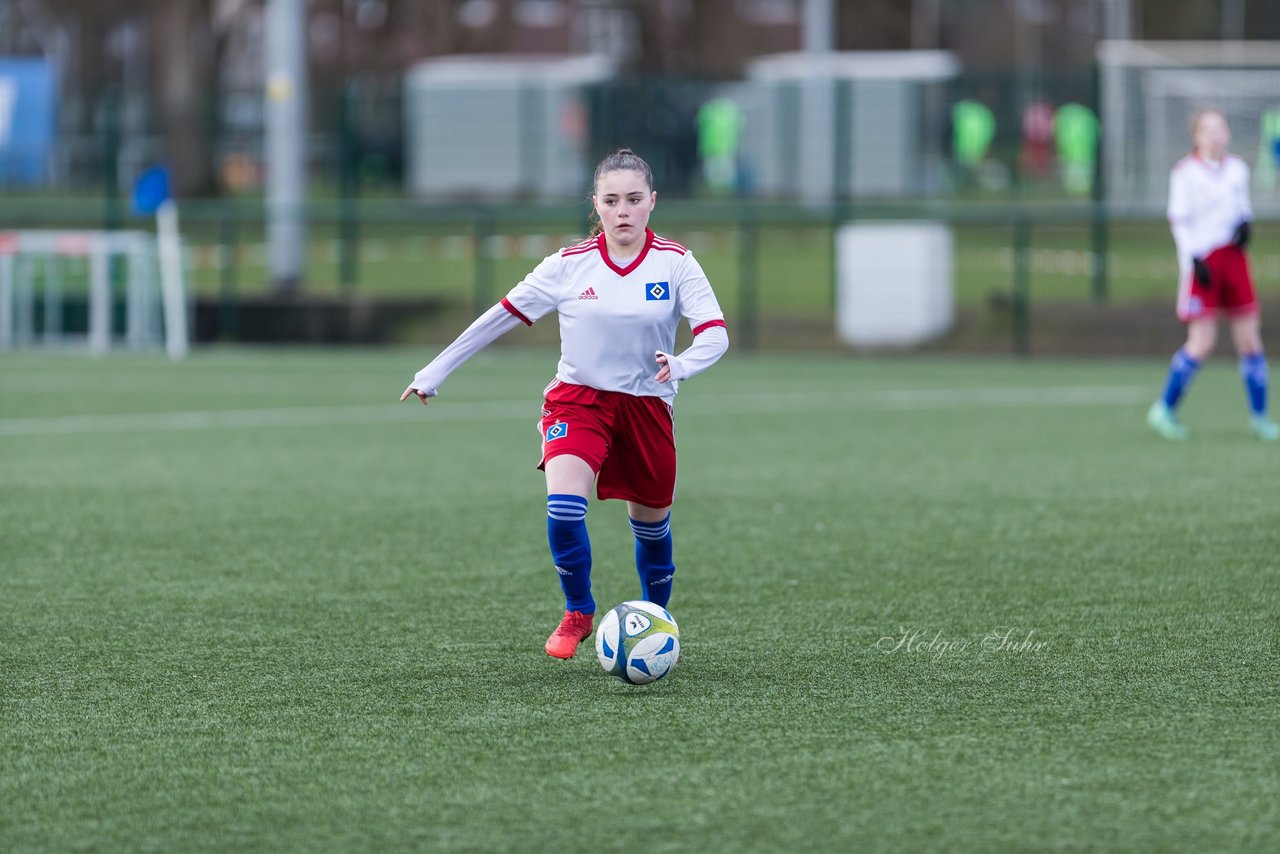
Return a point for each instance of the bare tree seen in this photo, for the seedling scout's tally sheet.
(182, 46)
(186, 71)
(716, 38)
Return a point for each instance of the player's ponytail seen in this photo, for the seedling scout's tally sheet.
(622, 159)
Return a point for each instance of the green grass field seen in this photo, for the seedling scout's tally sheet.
(248, 602)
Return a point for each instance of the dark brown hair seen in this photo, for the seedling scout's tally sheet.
(624, 159)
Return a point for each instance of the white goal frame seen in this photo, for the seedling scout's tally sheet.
(1141, 81)
(25, 254)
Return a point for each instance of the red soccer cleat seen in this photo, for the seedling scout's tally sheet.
(573, 630)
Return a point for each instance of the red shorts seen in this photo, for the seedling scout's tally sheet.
(1230, 287)
(629, 441)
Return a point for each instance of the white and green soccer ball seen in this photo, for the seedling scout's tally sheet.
(639, 642)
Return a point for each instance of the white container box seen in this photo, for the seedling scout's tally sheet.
(894, 283)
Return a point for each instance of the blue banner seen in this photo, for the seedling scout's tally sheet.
(28, 100)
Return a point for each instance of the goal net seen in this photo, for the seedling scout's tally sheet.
(1150, 90)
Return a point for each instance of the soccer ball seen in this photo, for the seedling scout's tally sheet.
(639, 642)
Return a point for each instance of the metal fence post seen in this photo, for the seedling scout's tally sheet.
(748, 296)
(229, 273)
(1021, 307)
(483, 282)
(845, 173)
(1100, 228)
(1099, 215)
(112, 203)
(846, 177)
(348, 188)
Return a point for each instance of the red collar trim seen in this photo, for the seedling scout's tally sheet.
(1209, 164)
(635, 262)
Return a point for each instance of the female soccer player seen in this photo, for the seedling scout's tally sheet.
(607, 418)
(1210, 214)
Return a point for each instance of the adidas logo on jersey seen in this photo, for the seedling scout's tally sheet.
(589, 293)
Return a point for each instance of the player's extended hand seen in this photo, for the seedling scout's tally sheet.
(422, 395)
(1202, 271)
(664, 373)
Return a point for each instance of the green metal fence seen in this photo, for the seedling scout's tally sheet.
(772, 265)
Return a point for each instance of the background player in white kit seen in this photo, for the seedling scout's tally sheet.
(607, 417)
(1210, 215)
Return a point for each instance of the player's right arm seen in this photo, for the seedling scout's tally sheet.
(526, 302)
(698, 305)
(486, 329)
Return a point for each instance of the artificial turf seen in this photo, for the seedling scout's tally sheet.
(248, 602)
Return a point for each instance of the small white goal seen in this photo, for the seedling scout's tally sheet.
(42, 271)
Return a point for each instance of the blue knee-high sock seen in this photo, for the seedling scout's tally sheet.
(1253, 370)
(571, 550)
(1181, 370)
(653, 559)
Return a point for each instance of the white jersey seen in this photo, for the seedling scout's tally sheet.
(613, 319)
(1206, 202)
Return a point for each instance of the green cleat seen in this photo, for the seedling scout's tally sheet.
(1163, 420)
(1264, 428)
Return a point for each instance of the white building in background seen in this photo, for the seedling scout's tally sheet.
(487, 126)
(821, 126)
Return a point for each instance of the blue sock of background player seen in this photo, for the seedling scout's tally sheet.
(653, 559)
(1181, 370)
(1253, 370)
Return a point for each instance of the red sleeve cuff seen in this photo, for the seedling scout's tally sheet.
(701, 327)
(506, 303)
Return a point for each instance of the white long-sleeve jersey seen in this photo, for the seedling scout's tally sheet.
(613, 320)
(1206, 202)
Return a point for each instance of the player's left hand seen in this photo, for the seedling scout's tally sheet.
(664, 373)
(1202, 273)
(1241, 236)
